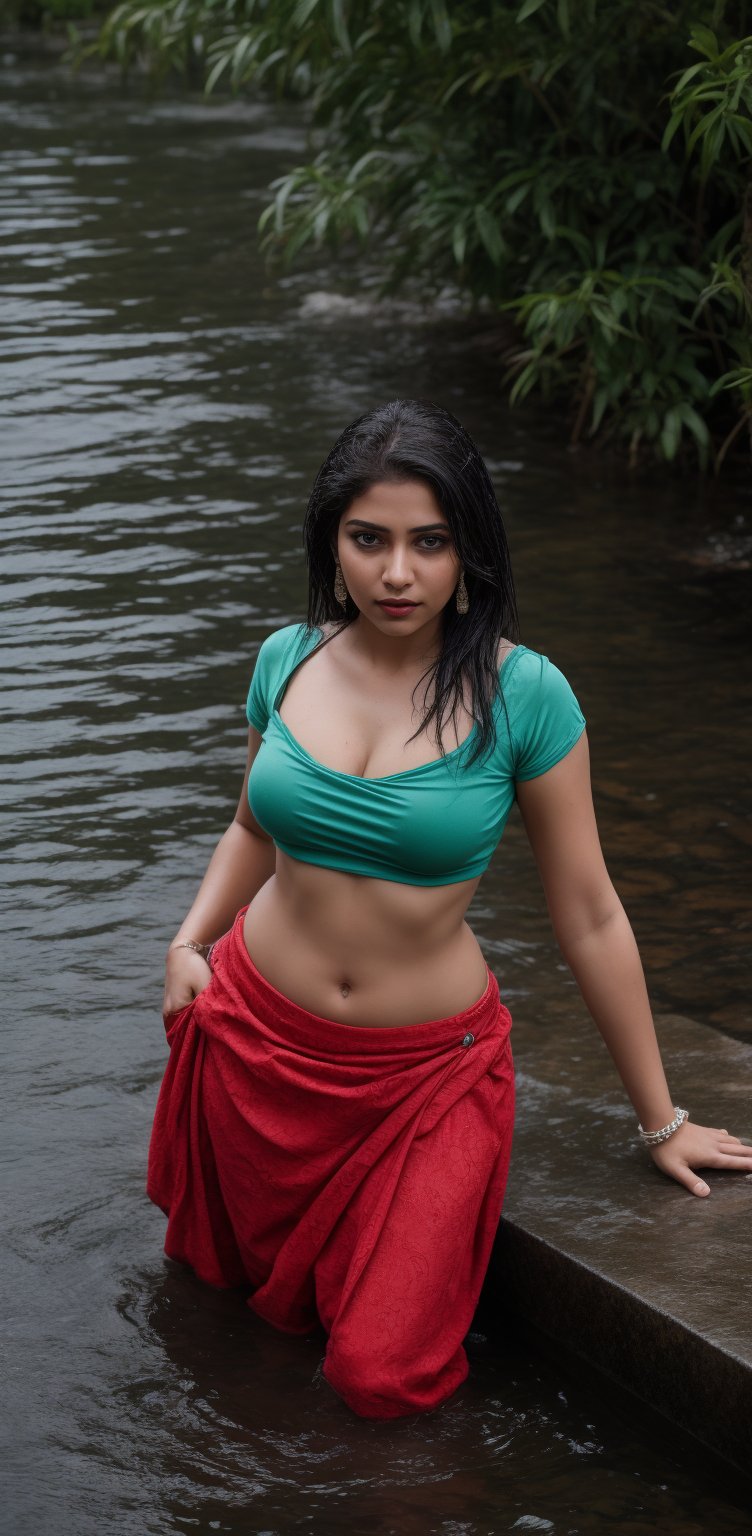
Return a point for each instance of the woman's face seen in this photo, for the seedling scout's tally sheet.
(394, 542)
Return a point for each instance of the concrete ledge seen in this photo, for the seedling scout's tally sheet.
(602, 1252)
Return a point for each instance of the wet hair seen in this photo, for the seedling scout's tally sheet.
(406, 440)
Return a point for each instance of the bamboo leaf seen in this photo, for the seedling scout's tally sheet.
(688, 75)
(529, 8)
(674, 122)
(303, 12)
(215, 74)
(702, 128)
(442, 26)
(517, 198)
(600, 403)
(488, 230)
(704, 41)
(339, 26)
(562, 17)
(415, 22)
(671, 433)
(696, 425)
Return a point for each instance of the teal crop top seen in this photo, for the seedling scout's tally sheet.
(431, 825)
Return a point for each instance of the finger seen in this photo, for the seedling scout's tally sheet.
(689, 1178)
(718, 1158)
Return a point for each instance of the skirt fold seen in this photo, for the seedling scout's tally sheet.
(352, 1177)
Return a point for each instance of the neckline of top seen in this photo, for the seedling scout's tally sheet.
(384, 778)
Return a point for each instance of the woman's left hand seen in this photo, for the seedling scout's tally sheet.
(700, 1146)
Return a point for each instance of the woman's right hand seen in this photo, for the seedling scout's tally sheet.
(186, 974)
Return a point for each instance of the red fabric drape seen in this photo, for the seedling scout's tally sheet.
(351, 1176)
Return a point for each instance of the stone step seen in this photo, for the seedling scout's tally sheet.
(602, 1252)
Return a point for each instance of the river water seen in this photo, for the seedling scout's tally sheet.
(167, 402)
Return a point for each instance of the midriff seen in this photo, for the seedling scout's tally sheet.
(363, 951)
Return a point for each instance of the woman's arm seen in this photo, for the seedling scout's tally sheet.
(596, 940)
(243, 860)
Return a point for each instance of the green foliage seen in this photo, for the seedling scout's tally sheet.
(585, 168)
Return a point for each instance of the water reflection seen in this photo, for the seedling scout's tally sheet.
(245, 1421)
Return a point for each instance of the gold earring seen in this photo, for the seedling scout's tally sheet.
(340, 590)
(462, 599)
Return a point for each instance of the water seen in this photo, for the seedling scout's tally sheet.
(166, 404)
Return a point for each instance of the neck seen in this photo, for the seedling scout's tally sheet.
(397, 653)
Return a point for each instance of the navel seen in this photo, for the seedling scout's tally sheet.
(345, 988)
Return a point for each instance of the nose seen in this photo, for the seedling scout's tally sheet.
(397, 568)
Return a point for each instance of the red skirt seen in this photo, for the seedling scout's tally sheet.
(352, 1176)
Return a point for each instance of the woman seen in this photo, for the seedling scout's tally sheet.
(335, 1123)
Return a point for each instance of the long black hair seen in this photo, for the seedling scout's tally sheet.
(418, 440)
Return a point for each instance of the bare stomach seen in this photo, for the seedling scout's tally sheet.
(363, 951)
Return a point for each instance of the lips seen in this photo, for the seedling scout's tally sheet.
(386, 604)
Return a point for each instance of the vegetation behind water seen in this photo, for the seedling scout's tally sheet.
(584, 169)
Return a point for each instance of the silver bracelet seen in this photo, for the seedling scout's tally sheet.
(201, 949)
(650, 1138)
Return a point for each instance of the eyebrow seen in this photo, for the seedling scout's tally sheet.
(379, 527)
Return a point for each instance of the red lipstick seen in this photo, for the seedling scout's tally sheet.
(397, 610)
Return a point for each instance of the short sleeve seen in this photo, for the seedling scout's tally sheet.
(259, 703)
(273, 662)
(550, 720)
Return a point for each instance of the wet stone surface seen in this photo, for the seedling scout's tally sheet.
(603, 1251)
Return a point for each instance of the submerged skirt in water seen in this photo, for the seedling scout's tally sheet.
(352, 1176)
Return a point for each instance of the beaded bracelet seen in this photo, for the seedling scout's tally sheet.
(651, 1137)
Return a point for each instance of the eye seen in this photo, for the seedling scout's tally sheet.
(438, 541)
